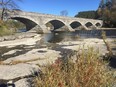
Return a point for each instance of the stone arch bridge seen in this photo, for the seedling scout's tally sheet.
(45, 22)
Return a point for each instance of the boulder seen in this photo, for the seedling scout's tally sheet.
(1, 39)
(26, 82)
(7, 38)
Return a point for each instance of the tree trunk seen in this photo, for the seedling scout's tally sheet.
(2, 17)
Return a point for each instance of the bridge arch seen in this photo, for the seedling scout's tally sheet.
(55, 24)
(75, 24)
(98, 24)
(29, 22)
(88, 24)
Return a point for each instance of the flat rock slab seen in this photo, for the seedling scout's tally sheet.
(27, 41)
(10, 72)
(40, 55)
(17, 36)
(23, 83)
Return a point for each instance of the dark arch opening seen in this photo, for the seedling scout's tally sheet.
(75, 24)
(55, 24)
(98, 24)
(28, 23)
(88, 24)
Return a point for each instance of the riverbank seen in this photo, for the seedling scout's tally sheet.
(25, 57)
(17, 36)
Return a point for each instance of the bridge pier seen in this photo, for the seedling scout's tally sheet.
(45, 29)
(86, 28)
(39, 29)
(70, 28)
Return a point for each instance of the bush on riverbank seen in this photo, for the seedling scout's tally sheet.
(9, 27)
(87, 71)
(4, 29)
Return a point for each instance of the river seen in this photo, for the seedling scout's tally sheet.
(56, 37)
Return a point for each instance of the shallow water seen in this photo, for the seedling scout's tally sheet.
(55, 37)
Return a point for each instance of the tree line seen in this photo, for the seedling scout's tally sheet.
(87, 14)
(106, 12)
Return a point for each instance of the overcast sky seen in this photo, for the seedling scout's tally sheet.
(56, 6)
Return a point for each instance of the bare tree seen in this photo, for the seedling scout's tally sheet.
(6, 5)
(64, 13)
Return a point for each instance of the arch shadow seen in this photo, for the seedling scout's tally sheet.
(75, 24)
(55, 24)
(88, 24)
(30, 24)
(98, 24)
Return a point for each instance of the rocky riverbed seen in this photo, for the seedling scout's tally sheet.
(23, 58)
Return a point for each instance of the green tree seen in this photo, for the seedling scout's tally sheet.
(107, 12)
(87, 14)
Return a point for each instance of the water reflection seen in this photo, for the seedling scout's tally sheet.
(55, 37)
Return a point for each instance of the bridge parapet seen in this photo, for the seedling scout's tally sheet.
(48, 15)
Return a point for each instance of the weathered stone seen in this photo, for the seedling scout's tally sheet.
(6, 38)
(26, 82)
(41, 57)
(19, 37)
(1, 39)
(10, 72)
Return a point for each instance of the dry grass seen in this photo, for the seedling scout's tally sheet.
(107, 44)
(114, 41)
(1, 63)
(87, 71)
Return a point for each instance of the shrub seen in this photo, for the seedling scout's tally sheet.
(88, 70)
(6, 28)
(4, 31)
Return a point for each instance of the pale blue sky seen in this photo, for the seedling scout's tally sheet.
(56, 6)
